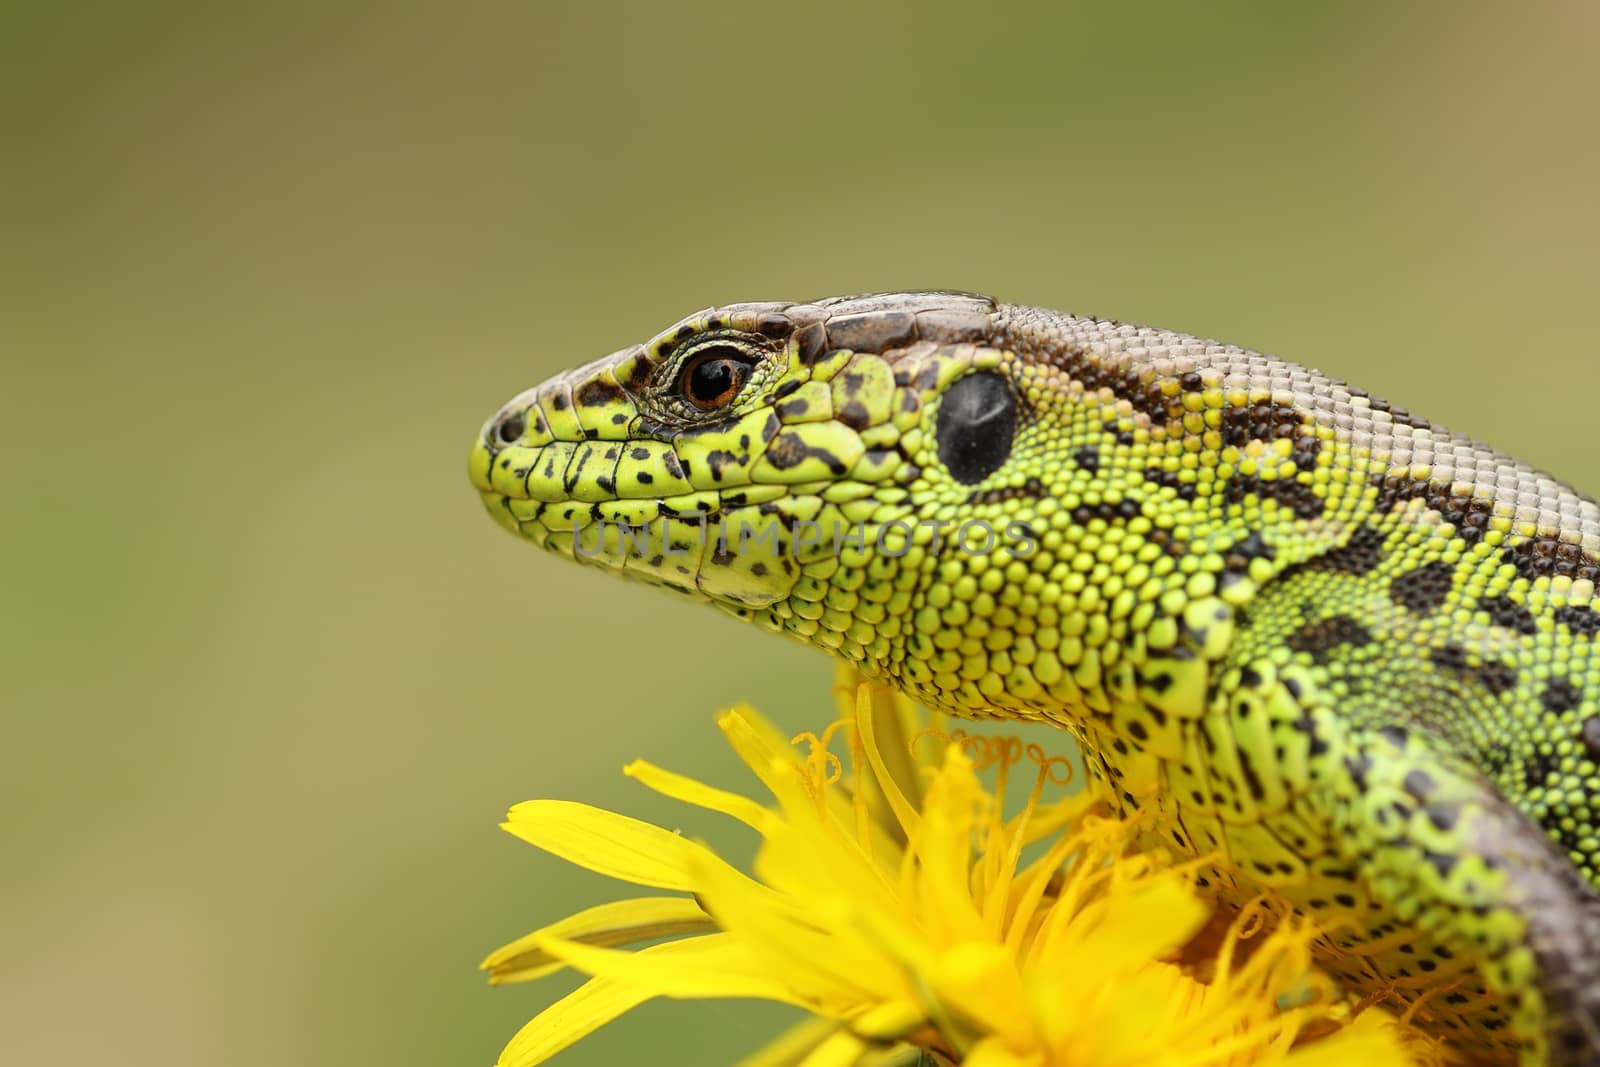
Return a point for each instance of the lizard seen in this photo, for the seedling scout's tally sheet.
(1346, 655)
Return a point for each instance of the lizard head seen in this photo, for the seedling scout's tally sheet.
(818, 468)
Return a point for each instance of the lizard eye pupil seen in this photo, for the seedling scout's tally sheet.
(511, 427)
(714, 376)
(975, 426)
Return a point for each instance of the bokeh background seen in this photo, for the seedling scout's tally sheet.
(269, 677)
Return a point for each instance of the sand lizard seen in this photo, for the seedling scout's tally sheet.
(1347, 651)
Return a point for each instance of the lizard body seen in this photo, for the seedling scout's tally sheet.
(1346, 652)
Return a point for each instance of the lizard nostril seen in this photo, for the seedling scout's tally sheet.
(511, 427)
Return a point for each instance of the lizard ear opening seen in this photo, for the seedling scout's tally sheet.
(975, 427)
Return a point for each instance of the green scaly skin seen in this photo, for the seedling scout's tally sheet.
(1346, 651)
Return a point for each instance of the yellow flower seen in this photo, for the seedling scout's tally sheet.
(894, 902)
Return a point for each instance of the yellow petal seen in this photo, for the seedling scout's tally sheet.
(1372, 1040)
(620, 922)
(679, 787)
(815, 859)
(992, 1053)
(793, 1045)
(843, 1049)
(980, 982)
(1132, 926)
(713, 965)
(890, 1021)
(604, 842)
(890, 777)
(773, 758)
(790, 936)
(944, 844)
(756, 741)
(576, 1015)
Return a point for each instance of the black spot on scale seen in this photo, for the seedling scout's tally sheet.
(1144, 392)
(786, 388)
(855, 415)
(1395, 734)
(1163, 539)
(810, 342)
(1497, 677)
(1307, 447)
(790, 450)
(1321, 636)
(774, 326)
(1031, 489)
(1301, 500)
(1252, 780)
(1469, 515)
(1358, 767)
(1444, 816)
(1357, 556)
(1252, 546)
(1537, 770)
(1424, 590)
(1581, 620)
(638, 374)
(1087, 458)
(1450, 657)
(1110, 511)
(1419, 784)
(1396, 414)
(1170, 480)
(596, 392)
(1550, 557)
(1442, 863)
(1265, 421)
(1590, 735)
(926, 379)
(1508, 614)
(717, 459)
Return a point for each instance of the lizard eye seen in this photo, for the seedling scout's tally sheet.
(713, 376)
(977, 420)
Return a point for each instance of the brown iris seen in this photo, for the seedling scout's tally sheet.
(712, 377)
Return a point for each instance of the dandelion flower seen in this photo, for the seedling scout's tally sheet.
(895, 901)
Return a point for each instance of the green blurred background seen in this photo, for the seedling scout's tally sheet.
(269, 675)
